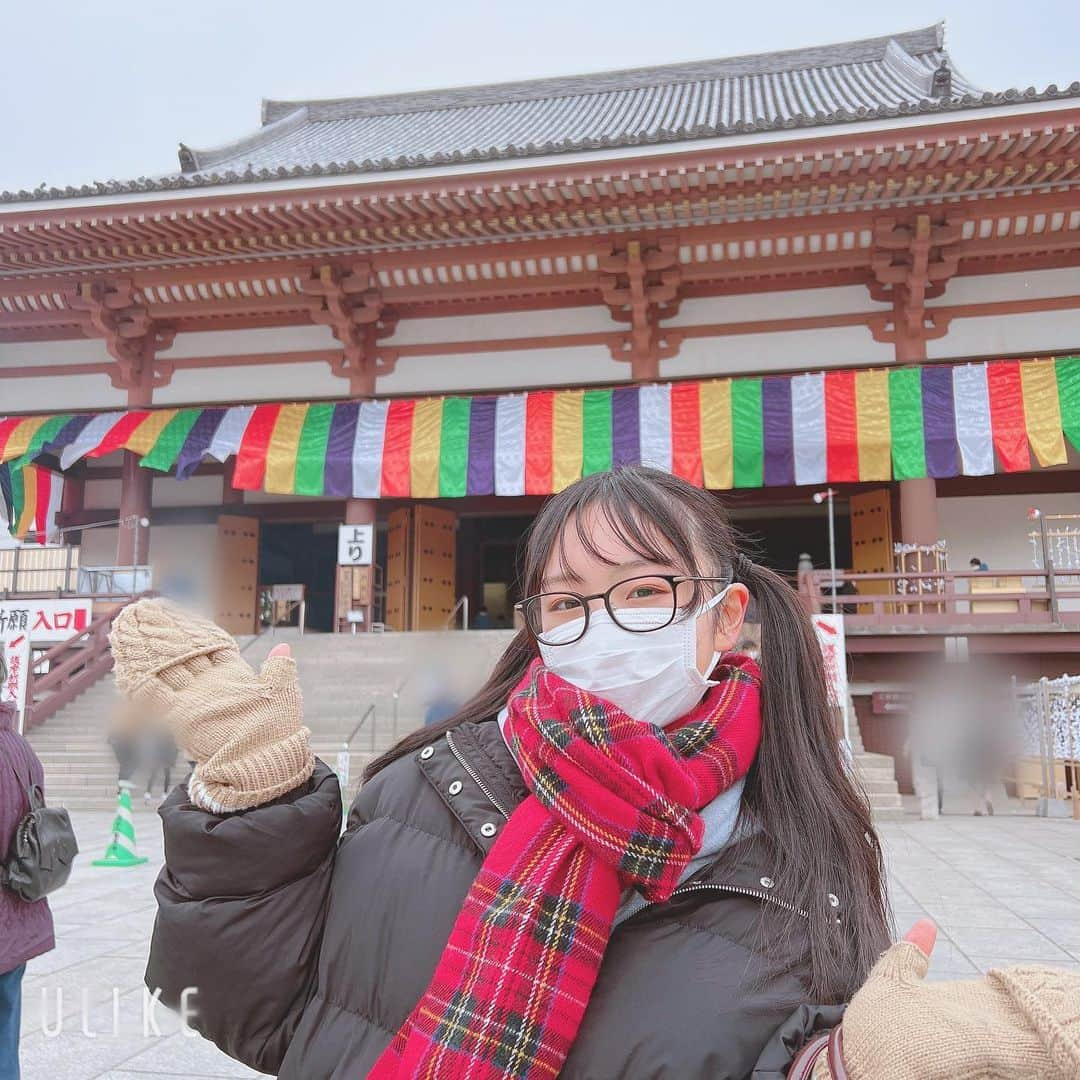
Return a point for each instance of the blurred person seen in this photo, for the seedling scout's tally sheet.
(483, 620)
(124, 737)
(962, 725)
(161, 755)
(977, 564)
(661, 826)
(26, 929)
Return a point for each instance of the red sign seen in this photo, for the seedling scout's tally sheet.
(884, 702)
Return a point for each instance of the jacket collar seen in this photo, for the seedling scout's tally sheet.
(478, 779)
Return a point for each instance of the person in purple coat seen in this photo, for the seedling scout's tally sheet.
(26, 930)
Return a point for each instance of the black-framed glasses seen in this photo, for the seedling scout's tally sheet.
(638, 604)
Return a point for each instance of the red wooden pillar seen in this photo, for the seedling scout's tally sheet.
(355, 585)
(230, 496)
(918, 498)
(133, 540)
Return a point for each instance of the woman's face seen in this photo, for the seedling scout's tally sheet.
(582, 572)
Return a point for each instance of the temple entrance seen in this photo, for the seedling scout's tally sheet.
(421, 567)
(780, 534)
(488, 565)
(302, 554)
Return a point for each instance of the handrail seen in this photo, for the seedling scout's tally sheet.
(369, 711)
(462, 605)
(74, 666)
(940, 605)
(396, 696)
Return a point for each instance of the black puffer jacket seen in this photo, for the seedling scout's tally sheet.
(308, 953)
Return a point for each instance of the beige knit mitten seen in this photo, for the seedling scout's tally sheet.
(244, 730)
(1021, 1022)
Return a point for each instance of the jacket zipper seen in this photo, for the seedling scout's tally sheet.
(475, 777)
(684, 890)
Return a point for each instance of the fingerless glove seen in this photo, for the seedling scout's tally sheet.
(243, 729)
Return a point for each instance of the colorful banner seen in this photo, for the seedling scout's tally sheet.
(30, 499)
(871, 425)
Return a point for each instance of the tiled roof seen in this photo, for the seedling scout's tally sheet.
(883, 77)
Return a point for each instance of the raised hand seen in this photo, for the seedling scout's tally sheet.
(243, 729)
(1020, 1022)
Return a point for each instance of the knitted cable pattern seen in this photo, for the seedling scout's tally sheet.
(243, 729)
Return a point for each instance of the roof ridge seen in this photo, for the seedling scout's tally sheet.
(915, 42)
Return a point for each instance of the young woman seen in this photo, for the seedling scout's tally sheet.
(633, 854)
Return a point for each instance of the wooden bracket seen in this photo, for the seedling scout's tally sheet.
(350, 302)
(640, 286)
(115, 312)
(913, 261)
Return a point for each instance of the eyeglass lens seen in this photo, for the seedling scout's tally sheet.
(549, 612)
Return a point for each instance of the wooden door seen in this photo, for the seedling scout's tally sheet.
(871, 537)
(398, 564)
(434, 567)
(238, 573)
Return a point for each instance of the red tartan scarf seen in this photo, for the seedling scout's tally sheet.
(613, 804)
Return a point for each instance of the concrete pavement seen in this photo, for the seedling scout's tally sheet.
(1002, 890)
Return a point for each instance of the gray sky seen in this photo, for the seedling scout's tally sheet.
(106, 90)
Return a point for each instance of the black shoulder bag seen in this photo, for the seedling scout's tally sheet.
(42, 850)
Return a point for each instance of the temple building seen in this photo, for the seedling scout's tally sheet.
(844, 267)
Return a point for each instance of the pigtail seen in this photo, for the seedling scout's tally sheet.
(800, 779)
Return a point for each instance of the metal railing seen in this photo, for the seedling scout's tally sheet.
(71, 667)
(42, 570)
(369, 711)
(933, 601)
(463, 606)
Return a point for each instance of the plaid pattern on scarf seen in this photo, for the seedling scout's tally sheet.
(613, 804)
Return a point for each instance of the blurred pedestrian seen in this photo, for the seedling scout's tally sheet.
(483, 620)
(26, 929)
(161, 754)
(123, 739)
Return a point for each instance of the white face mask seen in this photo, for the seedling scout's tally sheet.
(651, 676)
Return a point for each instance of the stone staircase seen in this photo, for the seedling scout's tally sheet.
(877, 774)
(341, 677)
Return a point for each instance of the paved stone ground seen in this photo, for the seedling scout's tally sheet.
(1002, 890)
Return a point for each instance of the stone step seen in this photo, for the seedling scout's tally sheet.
(885, 800)
(881, 787)
(876, 773)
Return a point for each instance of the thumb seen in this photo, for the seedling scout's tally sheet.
(923, 935)
(279, 669)
(909, 959)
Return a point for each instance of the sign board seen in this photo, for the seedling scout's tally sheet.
(830, 634)
(355, 545)
(29, 623)
(342, 770)
(886, 702)
(15, 652)
(287, 593)
(47, 622)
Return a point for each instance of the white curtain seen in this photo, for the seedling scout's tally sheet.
(368, 449)
(654, 411)
(971, 400)
(510, 444)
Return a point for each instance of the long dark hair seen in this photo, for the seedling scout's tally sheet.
(799, 794)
